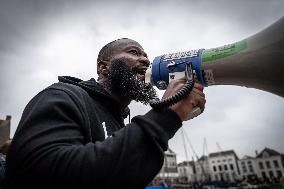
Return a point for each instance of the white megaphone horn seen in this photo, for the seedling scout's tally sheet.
(255, 62)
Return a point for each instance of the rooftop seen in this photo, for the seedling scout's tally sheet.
(223, 153)
(267, 152)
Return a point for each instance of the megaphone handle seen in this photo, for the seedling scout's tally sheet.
(196, 111)
(182, 93)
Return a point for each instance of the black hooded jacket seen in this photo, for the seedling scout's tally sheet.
(72, 135)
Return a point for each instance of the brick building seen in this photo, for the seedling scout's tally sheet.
(5, 129)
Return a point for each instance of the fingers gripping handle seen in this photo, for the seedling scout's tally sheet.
(190, 76)
(196, 111)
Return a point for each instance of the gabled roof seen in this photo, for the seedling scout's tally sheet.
(203, 158)
(170, 151)
(223, 153)
(247, 157)
(186, 163)
(269, 152)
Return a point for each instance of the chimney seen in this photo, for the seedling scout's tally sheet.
(8, 117)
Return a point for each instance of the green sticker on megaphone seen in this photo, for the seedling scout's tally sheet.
(224, 51)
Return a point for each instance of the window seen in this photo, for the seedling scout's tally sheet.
(249, 162)
(279, 173)
(268, 164)
(227, 177)
(220, 168)
(216, 177)
(260, 165)
(231, 166)
(265, 155)
(225, 167)
(234, 175)
(275, 162)
(263, 174)
(251, 168)
(214, 168)
(270, 174)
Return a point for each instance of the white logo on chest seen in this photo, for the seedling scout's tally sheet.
(105, 130)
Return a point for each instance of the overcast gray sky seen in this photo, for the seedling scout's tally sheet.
(40, 40)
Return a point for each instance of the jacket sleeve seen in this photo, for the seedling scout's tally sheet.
(49, 146)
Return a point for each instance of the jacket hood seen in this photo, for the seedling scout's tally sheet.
(96, 91)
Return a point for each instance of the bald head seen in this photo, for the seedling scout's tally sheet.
(111, 48)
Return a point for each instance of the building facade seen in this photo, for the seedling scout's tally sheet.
(169, 170)
(5, 129)
(248, 167)
(269, 164)
(186, 171)
(202, 169)
(223, 166)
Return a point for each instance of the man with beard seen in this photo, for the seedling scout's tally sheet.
(72, 134)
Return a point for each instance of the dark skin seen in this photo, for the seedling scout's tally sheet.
(133, 55)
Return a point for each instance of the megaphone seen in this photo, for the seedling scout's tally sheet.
(254, 62)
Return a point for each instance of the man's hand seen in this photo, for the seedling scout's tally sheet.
(184, 107)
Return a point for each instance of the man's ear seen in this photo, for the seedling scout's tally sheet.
(103, 68)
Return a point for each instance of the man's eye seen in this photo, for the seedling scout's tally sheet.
(134, 52)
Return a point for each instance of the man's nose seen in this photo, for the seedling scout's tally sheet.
(144, 60)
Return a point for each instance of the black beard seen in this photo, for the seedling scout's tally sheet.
(124, 82)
